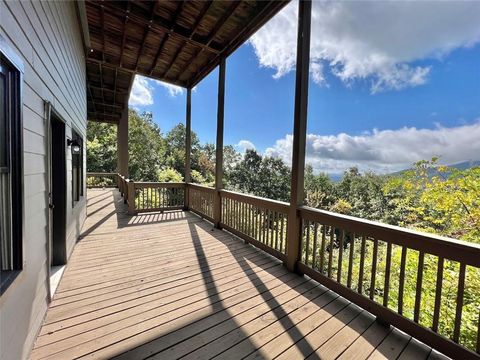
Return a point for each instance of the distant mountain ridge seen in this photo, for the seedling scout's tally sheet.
(464, 165)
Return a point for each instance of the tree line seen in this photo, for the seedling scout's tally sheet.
(427, 197)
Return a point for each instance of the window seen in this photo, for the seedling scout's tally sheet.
(11, 172)
(77, 166)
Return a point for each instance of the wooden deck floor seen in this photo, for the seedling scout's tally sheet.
(169, 286)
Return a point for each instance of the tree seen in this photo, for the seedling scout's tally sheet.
(261, 176)
(101, 147)
(319, 189)
(146, 147)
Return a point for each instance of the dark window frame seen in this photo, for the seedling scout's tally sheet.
(13, 68)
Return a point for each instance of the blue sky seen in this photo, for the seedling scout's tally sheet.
(375, 99)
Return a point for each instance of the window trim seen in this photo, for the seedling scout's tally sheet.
(16, 169)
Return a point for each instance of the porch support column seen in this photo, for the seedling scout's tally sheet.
(188, 144)
(217, 208)
(299, 134)
(122, 144)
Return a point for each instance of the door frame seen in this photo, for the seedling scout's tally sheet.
(52, 115)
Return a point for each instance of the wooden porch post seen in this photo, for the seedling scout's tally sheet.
(299, 133)
(217, 209)
(188, 144)
(122, 144)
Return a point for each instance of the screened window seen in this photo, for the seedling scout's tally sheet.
(10, 170)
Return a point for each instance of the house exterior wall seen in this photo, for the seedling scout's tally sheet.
(47, 37)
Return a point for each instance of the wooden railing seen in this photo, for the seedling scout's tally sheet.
(200, 200)
(366, 262)
(371, 264)
(101, 180)
(259, 221)
(152, 196)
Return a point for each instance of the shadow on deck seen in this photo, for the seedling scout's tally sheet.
(168, 286)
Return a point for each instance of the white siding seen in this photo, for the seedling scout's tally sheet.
(47, 37)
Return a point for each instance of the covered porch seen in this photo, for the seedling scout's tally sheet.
(169, 285)
(182, 270)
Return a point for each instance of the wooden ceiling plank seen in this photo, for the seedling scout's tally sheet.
(145, 34)
(124, 36)
(200, 17)
(175, 57)
(231, 9)
(229, 12)
(102, 32)
(194, 30)
(157, 24)
(267, 12)
(166, 37)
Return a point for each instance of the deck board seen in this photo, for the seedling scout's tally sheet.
(168, 286)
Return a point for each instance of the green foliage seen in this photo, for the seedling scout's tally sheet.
(146, 147)
(429, 198)
(101, 147)
(261, 176)
(169, 175)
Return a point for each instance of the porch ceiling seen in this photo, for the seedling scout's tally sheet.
(179, 42)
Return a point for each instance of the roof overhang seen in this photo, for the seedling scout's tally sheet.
(178, 42)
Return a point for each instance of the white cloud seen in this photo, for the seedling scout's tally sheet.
(385, 150)
(141, 93)
(377, 41)
(173, 90)
(244, 145)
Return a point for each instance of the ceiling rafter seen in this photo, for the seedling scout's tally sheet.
(201, 16)
(175, 57)
(158, 24)
(166, 36)
(229, 12)
(145, 34)
(124, 35)
(253, 25)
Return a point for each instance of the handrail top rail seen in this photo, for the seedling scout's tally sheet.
(449, 248)
(233, 194)
(146, 184)
(96, 173)
(200, 186)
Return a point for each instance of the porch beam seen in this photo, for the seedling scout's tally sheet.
(217, 210)
(299, 134)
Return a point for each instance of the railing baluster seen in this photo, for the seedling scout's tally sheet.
(281, 233)
(418, 292)
(276, 230)
(330, 253)
(350, 260)
(264, 229)
(362, 265)
(340, 255)
(322, 248)
(315, 240)
(388, 264)
(401, 281)
(458, 312)
(374, 269)
(307, 240)
(438, 294)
